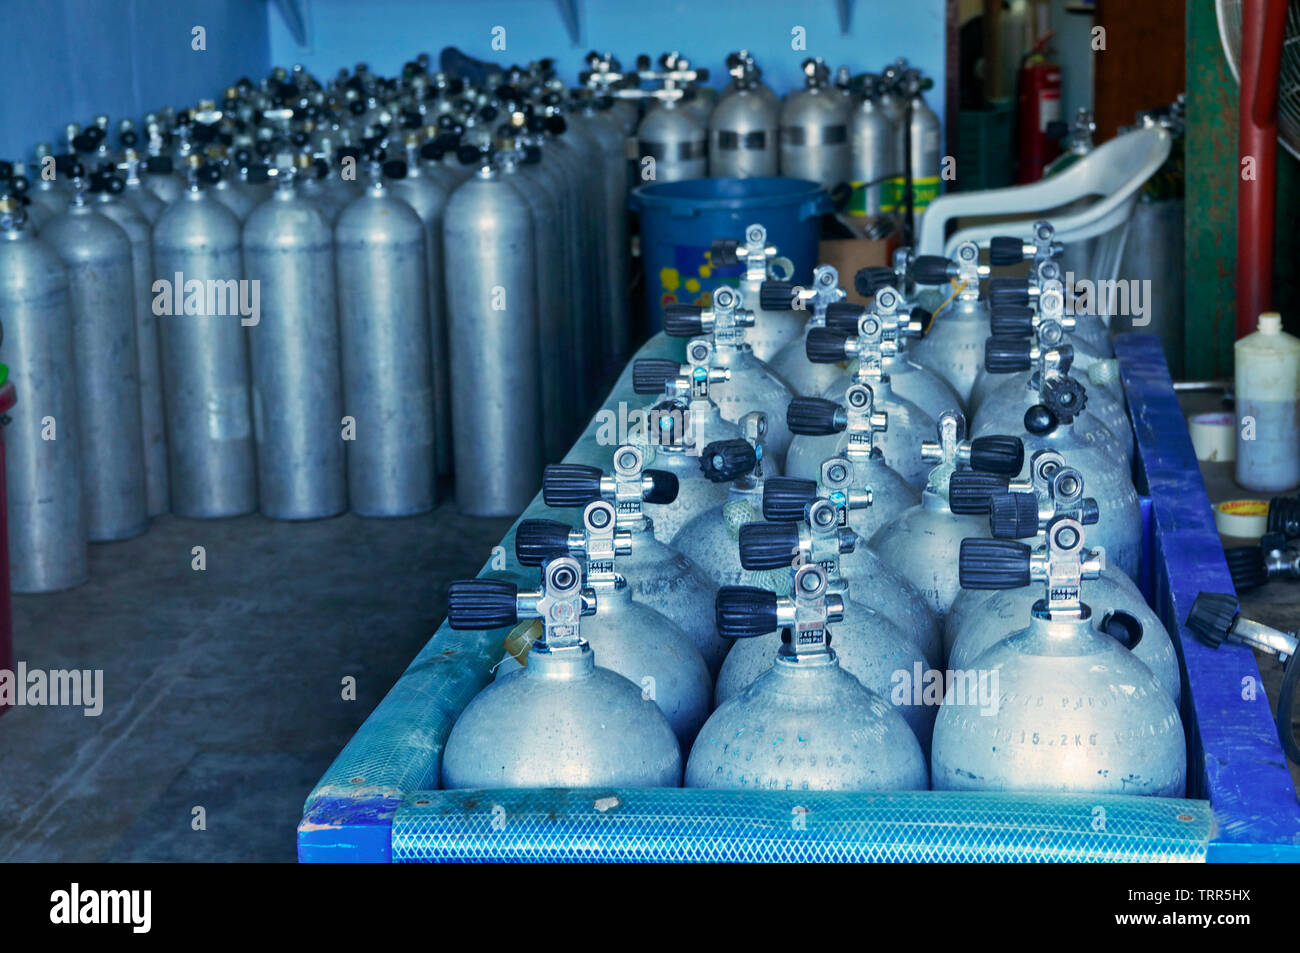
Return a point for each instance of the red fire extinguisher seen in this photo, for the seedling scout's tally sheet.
(1038, 104)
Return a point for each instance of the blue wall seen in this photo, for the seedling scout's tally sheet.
(67, 60)
(387, 33)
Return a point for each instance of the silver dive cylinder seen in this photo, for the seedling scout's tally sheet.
(46, 519)
(791, 362)
(954, 346)
(388, 399)
(806, 724)
(575, 724)
(297, 391)
(771, 330)
(101, 294)
(815, 131)
(744, 125)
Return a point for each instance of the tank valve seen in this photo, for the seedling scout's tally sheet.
(746, 612)
(478, 604)
(598, 543)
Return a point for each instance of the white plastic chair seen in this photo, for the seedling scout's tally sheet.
(1101, 188)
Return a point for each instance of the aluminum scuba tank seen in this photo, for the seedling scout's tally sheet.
(210, 448)
(674, 137)
(297, 391)
(791, 362)
(744, 126)
(750, 384)
(924, 137)
(46, 520)
(872, 648)
(772, 330)
(874, 151)
(660, 577)
(153, 425)
(101, 297)
(877, 334)
(805, 724)
(1057, 492)
(573, 724)
(923, 543)
(785, 500)
(384, 333)
(492, 310)
(628, 637)
(815, 131)
(428, 197)
(1058, 422)
(954, 346)
(1088, 716)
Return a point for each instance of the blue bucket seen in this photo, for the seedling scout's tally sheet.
(680, 220)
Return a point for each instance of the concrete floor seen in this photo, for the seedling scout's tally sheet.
(223, 688)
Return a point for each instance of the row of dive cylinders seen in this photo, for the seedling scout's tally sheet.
(871, 133)
(862, 622)
(300, 347)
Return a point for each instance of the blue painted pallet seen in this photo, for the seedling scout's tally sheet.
(378, 802)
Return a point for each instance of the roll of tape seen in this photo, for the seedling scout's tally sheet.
(1214, 437)
(1245, 519)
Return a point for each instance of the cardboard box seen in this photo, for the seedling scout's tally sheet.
(847, 255)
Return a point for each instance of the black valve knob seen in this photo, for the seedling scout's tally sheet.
(969, 491)
(993, 564)
(1007, 355)
(1040, 420)
(842, 317)
(1012, 321)
(923, 317)
(931, 269)
(744, 612)
(776, 295)
(1212, 617)
(768, 546)
(1013, 515)
(1123, 628)
(395, 169)
(1284, 516)
(867, 280)
(158, 165)
(1006, 250)
(814, 417)
(1247, 566)
(997, 453)
(824, 346)
(725, 460)
(650, 375)
(570, 484)
(786, 499)
(536, 541)
(482, 604)
(1004, 290)
(723, 252)
(663, 487)
(683, 320)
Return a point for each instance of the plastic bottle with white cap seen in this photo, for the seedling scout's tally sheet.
(1268, 407)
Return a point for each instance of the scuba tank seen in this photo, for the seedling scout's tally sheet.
(205, 359)
(1056, 492)
(791, 362)
(922, 544)
(101, 297)
(108, 190)
(660, 577)
(1058, 421)
(671, 132)
(744, 124)
(46, 520)
(771, 330)
(628, 637)
(750, 384)
(428, 197)
(873, 172)
(876, 334)
(954, 346)
(872, 648)
(1079, 712)
(572, 724)
(493, 323)
(924, 136)
(785, 500)
(384, 332)
(294, 355)
(805, 724)
(815, 131)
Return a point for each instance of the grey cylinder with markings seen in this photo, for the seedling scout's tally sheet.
(47, 524)
(677, 141)
(97, 254)
(205, 359)
(387, 365)
(743, 135)
(495, 373)
(294, 354)
(815, 137)
(152, 419)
